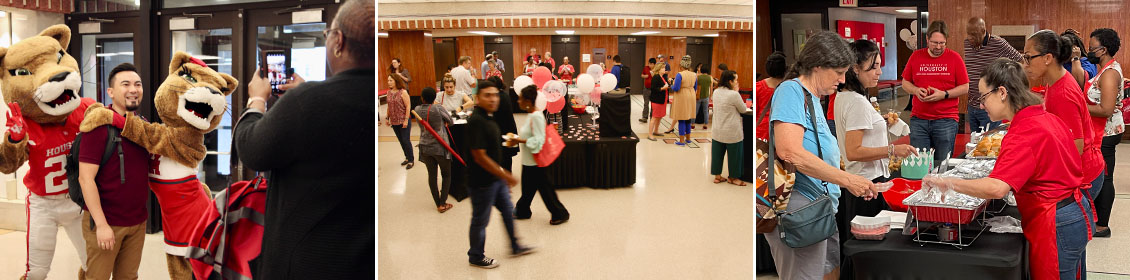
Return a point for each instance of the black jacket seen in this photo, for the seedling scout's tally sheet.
(658, 95)
(317, 143)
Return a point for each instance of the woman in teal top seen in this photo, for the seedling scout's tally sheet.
(531, 137)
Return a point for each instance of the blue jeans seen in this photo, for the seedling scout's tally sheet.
(403, 135)
(702, 111)
(937, 134)
(482, 198)
(1071, 239)
(1097, 185)
(978, 118)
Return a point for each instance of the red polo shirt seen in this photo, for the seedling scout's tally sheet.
(1038, 155)
(764, 95)
(943, 73)
(1065, 100)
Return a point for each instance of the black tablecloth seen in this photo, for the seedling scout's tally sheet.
(747, 157)
(592, 161)
(458, 170)
(992, 256)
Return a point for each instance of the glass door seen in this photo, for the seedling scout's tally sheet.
(99, 52)
(212, 40)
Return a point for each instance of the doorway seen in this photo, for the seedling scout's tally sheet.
(504, 45)
(632, 51)
(701, 50)
(566, 46)
(445, 55)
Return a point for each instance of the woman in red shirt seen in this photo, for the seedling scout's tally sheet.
(1064, 98)
(775, 66)
(1038, 162)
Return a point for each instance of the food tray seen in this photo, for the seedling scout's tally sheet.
(947, 215)
(863, 236)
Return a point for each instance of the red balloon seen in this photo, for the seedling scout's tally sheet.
(555, 107)
(542, 75)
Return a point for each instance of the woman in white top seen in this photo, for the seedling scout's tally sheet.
(727, 132)
(531, 138)
(862, 133)
(451, 99)
(1104, 96)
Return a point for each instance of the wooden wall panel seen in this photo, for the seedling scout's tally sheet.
(384, 60)
(471, 46)
(610, 43)
(669, 47)
(1056, 15)
(764, 39)
(415, 50)
(735, 49)
(522, 45)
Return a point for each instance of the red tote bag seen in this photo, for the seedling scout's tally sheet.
(551, 148)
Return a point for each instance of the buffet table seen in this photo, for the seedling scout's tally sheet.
(991, 256)
(592, 161)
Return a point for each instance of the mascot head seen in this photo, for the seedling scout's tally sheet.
(39, 75)
(193, 95)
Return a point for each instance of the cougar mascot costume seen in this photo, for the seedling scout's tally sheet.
(42, 83)
(191, 102)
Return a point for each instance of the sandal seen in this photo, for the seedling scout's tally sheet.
(740, 182)
(409, 166)
(719, 180)
(657, 134)
(651, 138)
(445, 207)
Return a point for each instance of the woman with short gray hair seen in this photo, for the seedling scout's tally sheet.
(801, 137)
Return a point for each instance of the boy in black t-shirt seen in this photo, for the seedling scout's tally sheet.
(489, 183)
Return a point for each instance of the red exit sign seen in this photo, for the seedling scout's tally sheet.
(849, 3)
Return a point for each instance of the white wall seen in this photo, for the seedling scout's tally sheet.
(797, 22)
(891, 69)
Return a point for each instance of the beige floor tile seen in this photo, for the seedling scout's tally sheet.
(673, 224)
(65, 265)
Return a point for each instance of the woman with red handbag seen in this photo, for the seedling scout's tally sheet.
(532, 138)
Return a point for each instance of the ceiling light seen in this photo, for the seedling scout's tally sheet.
(678, 38)
(710, 35)
(428, 34)
(646, 33)
(906, 11)
(382, 34)
(484, 33)
(565, 32)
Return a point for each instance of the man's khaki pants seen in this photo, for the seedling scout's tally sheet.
(122, 260)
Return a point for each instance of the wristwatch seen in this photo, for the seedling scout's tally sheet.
(947, 94)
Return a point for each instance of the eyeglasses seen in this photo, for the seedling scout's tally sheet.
(933, 43)
(1028, 58)
(326, 33)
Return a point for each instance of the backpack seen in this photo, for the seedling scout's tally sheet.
(622, 81)
(226, 242)
(113, 138)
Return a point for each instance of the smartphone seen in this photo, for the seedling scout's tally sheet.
(276, 70)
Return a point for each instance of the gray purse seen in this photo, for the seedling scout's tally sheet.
(815, 221)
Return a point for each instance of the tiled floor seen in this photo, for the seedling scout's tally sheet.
(66, 264)
(673, 224)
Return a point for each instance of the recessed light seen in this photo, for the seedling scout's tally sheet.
(428, 34)
(678, 38)
(646, 33)
(906, 11)
(565, 32)
(484, 33)
(710, 35)
(382, 34)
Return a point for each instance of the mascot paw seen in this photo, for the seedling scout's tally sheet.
(96, 116)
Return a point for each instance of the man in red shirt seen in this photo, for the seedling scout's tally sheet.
(114, 223)
(646, 75)
(775, 67)
(935, 77)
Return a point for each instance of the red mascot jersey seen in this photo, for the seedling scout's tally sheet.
(48, 146)
(183, 201)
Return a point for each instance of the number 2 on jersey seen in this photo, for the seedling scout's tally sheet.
(56, 181)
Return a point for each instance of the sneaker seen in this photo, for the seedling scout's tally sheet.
(525, 250)
(558, 222)
(1103, 233)
(486, 262)
(680, 143)
(643, 120)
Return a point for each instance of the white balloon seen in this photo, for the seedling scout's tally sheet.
(585, 83)
(540, 101)
(607, 82)
(554, 90)
(522, 82)
(594, 70)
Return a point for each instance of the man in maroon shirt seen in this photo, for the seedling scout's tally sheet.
(114, 223)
